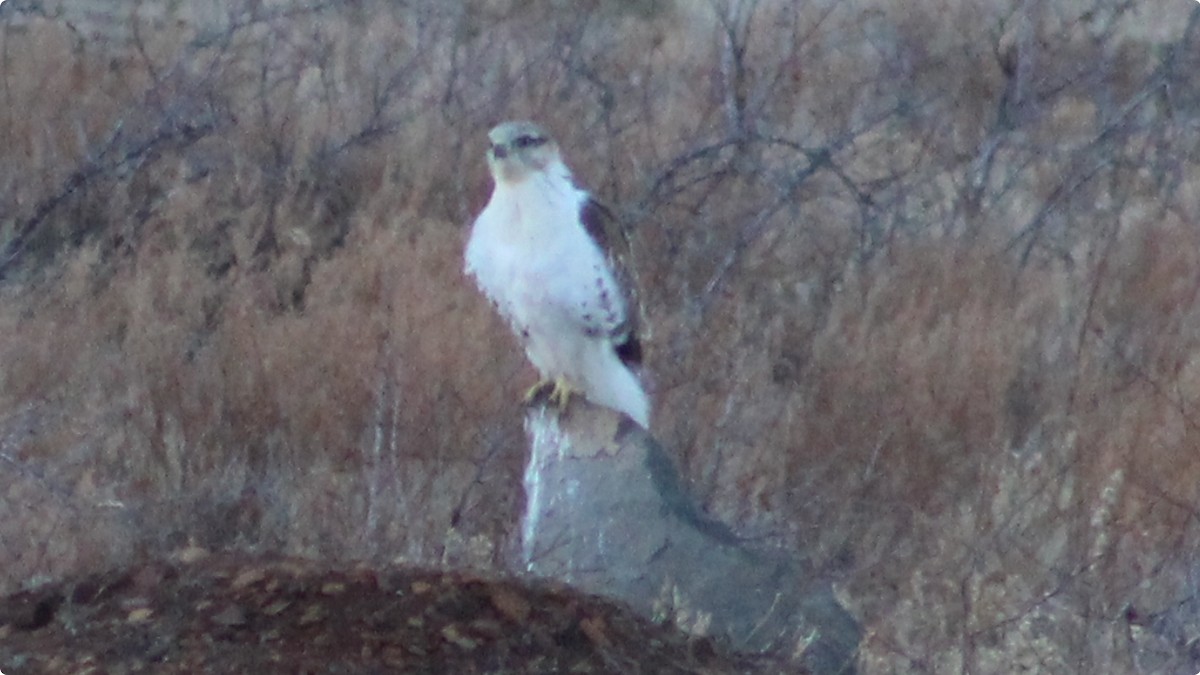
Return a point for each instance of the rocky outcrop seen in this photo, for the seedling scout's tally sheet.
(607, 511)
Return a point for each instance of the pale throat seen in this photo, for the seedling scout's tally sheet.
(537, 204)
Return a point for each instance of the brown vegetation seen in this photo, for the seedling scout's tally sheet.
(922, 288)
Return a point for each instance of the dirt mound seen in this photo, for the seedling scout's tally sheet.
(229, 613)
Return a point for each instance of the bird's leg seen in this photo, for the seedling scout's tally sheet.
(557, 392)
(560, 395)
(538, 390)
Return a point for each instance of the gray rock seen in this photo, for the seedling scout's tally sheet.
(607, 511)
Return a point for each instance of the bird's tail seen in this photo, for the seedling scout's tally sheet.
(615, 386)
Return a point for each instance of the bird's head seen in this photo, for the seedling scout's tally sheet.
(520, 149)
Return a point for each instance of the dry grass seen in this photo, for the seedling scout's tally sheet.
(921, 285)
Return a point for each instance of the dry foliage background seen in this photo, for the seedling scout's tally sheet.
(922, 287)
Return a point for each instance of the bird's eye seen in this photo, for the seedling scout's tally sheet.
(529, 141)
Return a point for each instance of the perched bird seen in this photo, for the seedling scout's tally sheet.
(540, 251)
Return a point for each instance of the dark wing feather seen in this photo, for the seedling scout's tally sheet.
(605, 229)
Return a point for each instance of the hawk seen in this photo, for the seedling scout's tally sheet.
(539, 252)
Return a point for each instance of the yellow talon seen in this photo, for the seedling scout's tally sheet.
(537, 391)
(560, 395)
(557, 393)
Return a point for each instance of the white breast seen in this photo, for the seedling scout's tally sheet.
(532, 257)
